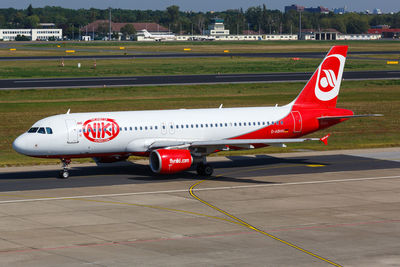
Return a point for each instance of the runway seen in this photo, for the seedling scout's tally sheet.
(7, 84)
(191, 55)
(334, 208)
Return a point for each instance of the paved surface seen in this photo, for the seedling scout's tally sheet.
(188, 55)
(7, 84)
(342, 207)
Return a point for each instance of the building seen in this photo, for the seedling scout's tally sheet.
(339, 10)
(385, 31)
(333, 34)
(356, 37)
(32, 34)
(297, 8)
(216, 28)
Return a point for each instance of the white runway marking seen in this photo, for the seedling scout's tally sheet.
(78, 80)
(201, 189)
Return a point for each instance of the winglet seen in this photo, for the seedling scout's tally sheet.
(325, 139)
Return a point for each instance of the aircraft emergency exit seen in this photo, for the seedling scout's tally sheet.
(174, 140)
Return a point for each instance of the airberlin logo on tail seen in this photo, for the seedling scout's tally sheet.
(100, 130)
(329, 75)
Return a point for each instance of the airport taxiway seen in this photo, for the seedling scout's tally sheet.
(54, 83)
(328, 208)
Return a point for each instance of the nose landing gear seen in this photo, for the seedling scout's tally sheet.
(64, 174)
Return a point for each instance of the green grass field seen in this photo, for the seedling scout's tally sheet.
(219, 46)
(20, 109)
(102, 48)
(172, 66)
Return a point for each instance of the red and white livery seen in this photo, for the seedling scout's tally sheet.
(174, 140)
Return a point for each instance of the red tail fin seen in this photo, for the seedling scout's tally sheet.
(322, 90)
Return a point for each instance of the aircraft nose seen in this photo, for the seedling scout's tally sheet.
(20, 144)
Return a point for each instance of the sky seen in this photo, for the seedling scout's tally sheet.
(206, 5)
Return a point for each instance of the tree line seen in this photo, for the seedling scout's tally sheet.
(258, 19)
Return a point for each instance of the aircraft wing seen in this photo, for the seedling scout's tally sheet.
(230, 142)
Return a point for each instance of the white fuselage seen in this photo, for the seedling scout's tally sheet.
(138, 129)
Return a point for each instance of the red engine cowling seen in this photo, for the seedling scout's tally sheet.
(170, 160)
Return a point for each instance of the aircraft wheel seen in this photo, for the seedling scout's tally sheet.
(64, 174)
(208, 170)
(205, 169)
(200, 169)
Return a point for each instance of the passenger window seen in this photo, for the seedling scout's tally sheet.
(197, 126)
(206, 125)
(41, 130)
(49, 130)
(226, 125)
(201, 125)
(155, 127)
(135, 128)
(130, 128)
(140, 128)
(244, 124)
(254, 123)
(182, 126)
(187, 125)
(151, 127)
(258, 123)
(145, 127)
(221, 125)
(240, 124)
(120, 128)
(234, 124)
(33, 130)
(126, 129)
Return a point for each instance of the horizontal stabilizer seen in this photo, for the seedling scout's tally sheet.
(348, 116)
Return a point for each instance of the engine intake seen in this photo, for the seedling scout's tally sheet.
(167, 161)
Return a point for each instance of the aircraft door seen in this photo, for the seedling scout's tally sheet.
(297, 122)
(72, 131)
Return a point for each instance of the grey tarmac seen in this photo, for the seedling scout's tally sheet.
(341, 206)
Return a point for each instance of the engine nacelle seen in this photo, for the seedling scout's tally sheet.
(170, 160)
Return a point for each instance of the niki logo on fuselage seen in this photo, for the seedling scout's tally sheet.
(328, 77)
(100, 130)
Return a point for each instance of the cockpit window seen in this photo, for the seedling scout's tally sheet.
(49, 130)
(33, 130)
(41, 130)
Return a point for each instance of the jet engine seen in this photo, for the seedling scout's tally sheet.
(167, 161)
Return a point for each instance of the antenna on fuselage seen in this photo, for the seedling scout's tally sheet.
(221, 106)
(68, 111)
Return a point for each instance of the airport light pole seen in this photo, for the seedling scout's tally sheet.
(109, 24)
(300, 25)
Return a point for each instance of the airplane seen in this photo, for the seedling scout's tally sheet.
(174, 140)
(158, 37)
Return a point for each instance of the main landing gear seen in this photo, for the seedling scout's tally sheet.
(64, 174)
(204, 169)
